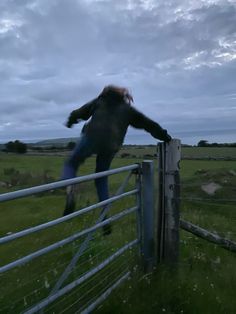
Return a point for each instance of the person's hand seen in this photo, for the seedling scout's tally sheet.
(71, 120)
(168, 138)
(69, 123)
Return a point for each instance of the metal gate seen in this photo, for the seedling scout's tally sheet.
(58, 293)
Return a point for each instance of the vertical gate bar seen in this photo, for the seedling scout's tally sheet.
(138, 183)
(148, 214)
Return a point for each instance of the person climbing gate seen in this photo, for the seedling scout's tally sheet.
(111, 114)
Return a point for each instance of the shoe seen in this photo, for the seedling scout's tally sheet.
(70, 200)
(107, 229)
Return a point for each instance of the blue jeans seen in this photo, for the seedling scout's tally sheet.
(84, 149)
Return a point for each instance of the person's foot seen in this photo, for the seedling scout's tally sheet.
(107, 229)
(70, 200)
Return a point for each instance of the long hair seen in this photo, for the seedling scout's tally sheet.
(121, 93)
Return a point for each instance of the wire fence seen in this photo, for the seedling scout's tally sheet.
(208, 201)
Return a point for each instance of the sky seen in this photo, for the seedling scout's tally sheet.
(177, 57)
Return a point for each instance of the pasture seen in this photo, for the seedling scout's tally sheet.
(187, 152)
(205, 281)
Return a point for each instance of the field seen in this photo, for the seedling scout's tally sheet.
(187, 152)
(205, 280)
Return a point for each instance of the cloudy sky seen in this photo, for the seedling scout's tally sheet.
(178, 58)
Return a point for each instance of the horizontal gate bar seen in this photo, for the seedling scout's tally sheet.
(65, 218)
(80, 280)
(63, 183)
(58, 244)
(103, 297)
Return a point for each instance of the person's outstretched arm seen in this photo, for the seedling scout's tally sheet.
(140, 121)
(82, 113)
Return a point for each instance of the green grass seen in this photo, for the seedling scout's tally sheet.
(190, 167)
(187, 152)
(206, 152)
(204, 282)
(35, 279)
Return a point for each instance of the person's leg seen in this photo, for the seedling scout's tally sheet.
(103, 163)
(82, 150)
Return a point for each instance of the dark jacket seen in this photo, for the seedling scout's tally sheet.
(110, 119)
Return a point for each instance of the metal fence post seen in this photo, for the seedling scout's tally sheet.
(148, 215)
(139, 219)
(168, 209)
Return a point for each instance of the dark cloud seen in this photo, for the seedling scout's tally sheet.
(178, 58)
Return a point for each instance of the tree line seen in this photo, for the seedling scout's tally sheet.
(15, 147)
(21, 148)
(204, 143)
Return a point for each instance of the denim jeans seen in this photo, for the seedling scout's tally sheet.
(84, 149)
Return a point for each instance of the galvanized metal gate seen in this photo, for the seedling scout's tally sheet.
(144, 240)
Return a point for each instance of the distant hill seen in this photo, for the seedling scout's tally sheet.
(55, 141)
